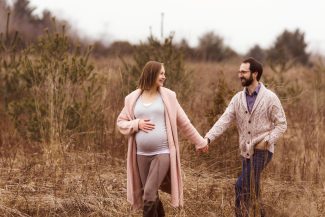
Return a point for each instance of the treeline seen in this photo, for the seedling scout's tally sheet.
(289, 47)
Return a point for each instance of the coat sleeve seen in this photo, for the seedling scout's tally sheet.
(278, 118)
(125, 124)
(224, 121)
(186, 128)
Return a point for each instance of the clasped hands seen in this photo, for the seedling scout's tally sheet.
(205, 148)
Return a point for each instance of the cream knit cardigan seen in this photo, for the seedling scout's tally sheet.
(266, 121)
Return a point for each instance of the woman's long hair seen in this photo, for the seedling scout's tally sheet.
(149, 75)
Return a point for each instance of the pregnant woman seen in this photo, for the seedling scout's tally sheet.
(151, 118)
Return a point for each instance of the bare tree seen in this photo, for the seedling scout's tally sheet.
(212, 48)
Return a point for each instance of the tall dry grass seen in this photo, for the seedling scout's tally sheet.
(91, 180)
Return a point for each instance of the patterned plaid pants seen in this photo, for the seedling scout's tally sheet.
(248, 184)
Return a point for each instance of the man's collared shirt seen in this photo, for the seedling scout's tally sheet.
(250, 99)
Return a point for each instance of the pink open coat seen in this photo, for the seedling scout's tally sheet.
(175, 118)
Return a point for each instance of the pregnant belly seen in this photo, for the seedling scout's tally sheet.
(152, 141)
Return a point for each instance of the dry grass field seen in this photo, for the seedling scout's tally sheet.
(38, 179)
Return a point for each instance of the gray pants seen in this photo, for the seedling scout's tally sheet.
(153, 170)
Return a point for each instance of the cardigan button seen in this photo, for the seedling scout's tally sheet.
(246, 112)
(249, 132)
(249, 121)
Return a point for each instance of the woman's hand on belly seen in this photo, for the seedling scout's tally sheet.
(145, 125)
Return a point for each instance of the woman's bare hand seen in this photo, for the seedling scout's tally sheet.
(145, 125)
(205, 149)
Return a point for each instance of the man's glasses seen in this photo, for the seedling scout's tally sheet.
(243, 72)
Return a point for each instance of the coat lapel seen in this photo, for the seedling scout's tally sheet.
(166, 101)
(168, 111)
(133, 99)
(243, 99)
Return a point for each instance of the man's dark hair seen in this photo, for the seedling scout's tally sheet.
(255, 66)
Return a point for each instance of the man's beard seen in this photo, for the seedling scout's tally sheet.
(246, 82)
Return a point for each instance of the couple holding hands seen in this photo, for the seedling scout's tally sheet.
(152, 116)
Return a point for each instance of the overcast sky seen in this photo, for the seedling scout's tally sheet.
(242, 23)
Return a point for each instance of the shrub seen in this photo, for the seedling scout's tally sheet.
(9, 63)
(288, 49)
(50, 90)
